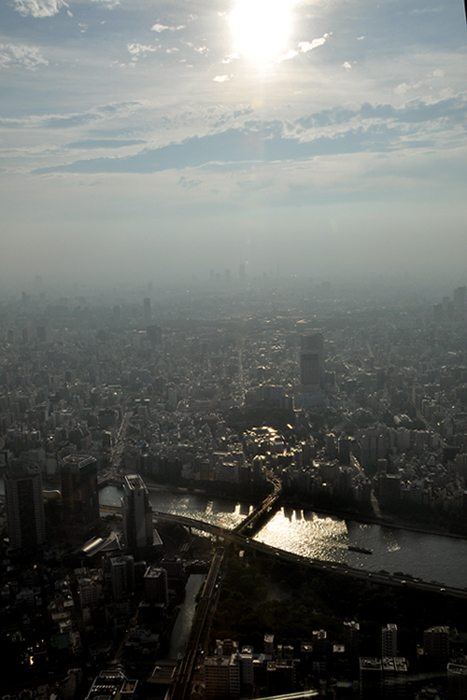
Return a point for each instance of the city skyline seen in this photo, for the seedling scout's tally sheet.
(143, 140)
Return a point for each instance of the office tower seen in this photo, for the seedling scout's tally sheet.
(457, 681)
(395, 682)
(269, 644)
(389, 640)
(371, 678)
(352, 639)
(147, 310)
(122, 576)
(319, 642)
(436, 642)
(80, 497)
(222, 677)
(137, 514)
(156, 585)
(460, 301)
(312, 360)
(245, 657)
(154, 334)
(25, 507)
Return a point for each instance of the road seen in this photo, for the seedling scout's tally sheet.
(319, 565)
(180, 689)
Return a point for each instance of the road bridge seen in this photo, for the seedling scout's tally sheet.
(318, 564)
(262, 513)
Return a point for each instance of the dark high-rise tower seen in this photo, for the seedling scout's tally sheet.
(138, 528)
(80, 498)
(25, 507)
(312, 360)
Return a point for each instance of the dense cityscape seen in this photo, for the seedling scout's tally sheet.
(276, 396)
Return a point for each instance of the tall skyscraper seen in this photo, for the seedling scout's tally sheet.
(80, 497)
(389, 640)
(25, 507)
(156, 585)
(147, 310)
(137, 514)
(312, 361)
(352, 639)
(460, 294)
(122, 573)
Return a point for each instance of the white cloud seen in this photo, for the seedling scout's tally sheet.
(346, 65)
(39, 8)
(286, 57)
(306, 46)
(109, 4)
(231, 57)
(137, 49)
(164, 27)
(415, 85)
(29, 57)
(221, 78)
(159, 28)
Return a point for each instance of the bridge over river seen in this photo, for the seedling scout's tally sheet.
(243, 537)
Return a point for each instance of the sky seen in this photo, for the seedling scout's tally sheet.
(145, 140)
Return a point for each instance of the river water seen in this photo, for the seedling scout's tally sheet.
(429, 557)
(182, 626)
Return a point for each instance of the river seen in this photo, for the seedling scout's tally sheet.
(422, 555)
(182, 628)
(426, 556)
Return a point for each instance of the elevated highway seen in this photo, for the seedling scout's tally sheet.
(245, 542)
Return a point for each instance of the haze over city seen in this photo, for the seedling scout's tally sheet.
(143, 139)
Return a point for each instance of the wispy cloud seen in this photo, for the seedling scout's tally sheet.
(376, 128)
(109, 4)
(231, 57)
(29, 57)
(159, 28)
(137, 49)
(286, 57)
(74, 119)
(306, 46)
(188, 183)
(105, 143)
(39, 8)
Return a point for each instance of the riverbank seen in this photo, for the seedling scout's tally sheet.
(388, 521)
(371, 519)
(341, 513)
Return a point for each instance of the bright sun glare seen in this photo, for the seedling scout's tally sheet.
(261, 28)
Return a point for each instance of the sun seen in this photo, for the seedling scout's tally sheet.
(261, 28)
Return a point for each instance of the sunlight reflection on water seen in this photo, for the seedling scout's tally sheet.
(430, 557)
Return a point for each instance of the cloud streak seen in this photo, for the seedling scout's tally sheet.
(369, 128)
(39, 8)
(75, 119)
(29, 57)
